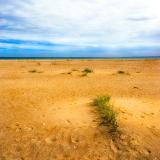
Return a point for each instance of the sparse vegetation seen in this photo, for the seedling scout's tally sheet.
(87, 70)
(74, 69)
(108, 115)
(35, 71)
(84, 74)
(122, 72)
(135, 87)
(101, 101)
(69, 73)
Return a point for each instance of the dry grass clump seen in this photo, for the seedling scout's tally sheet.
(84, 74)
(75, 70)
(35, 71)
(135, 87)
(108, 115)
(122, 72)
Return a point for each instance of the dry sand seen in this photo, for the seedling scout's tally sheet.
(47, 115)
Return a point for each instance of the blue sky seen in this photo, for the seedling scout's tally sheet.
(77, 28)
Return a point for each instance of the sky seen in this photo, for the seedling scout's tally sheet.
(79, 28)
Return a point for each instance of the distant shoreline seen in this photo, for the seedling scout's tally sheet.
(77, 58)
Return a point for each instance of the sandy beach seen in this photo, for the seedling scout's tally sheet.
(46, 111)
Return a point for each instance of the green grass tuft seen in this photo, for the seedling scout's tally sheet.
(108, 115)
(87, 70)
(101, 101)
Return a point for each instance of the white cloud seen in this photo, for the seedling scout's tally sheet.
(83, 22)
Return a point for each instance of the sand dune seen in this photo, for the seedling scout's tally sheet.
(46, 111)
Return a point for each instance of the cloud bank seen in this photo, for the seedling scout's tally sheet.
(71, 27)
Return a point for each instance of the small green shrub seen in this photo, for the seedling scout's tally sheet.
(109, 117)
(87, 70)
(107, 114)
(101, 101)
